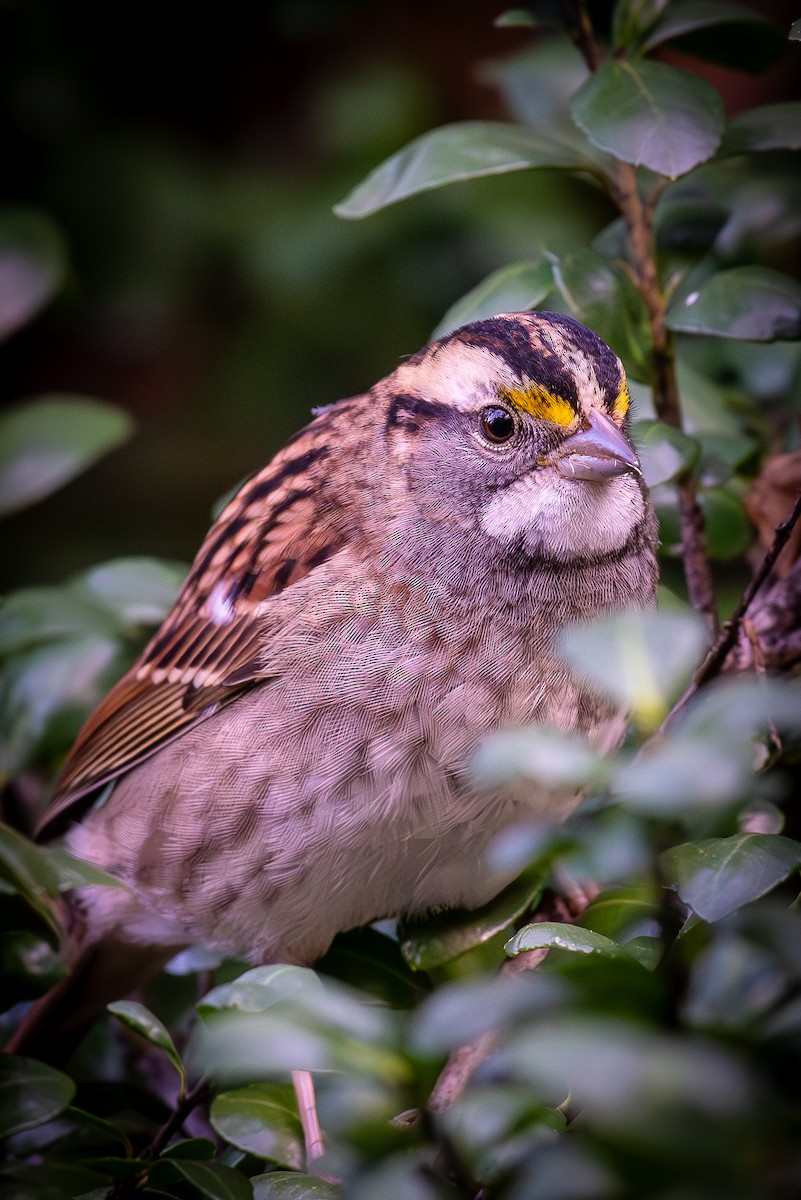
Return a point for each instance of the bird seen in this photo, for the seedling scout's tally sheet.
(291, 755)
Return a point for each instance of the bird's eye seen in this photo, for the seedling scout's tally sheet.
(497, 424)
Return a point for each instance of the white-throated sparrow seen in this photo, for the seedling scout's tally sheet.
(290, 755)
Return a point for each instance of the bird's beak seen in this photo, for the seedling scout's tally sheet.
(597, 453)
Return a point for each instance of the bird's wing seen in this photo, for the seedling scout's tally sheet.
(276, 530)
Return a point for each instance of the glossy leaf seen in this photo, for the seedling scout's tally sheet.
(642, 660)
(289, 1185)
(441, 937)
(48, 441)
(32, 267)
(729, 33)
(261, 988)
(30, 1093)
(538, 86)
(195, 1148)
(769, 127)
(753, 303)
(717, 876)
(53, 686)
(214, 1180)
(632, 19)
(683, 773)
(466, 150)
(743, 706)
(137, 591)
(52, 1180)
(651, 115)
(548, 756)
(624, 1076)
(141, 1021)
(664, 452)
(514, 288)
(460, 1011)
(37, 615)
(728, 529)
(288, 1020)
(553, 935)
(373, 962)
(620, 912)
(263, 1120)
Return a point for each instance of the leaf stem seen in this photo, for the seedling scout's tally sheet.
(638, 219)
(718, 653)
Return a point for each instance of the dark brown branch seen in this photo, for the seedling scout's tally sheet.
(638, 218)
(719, 652)
(694, 554)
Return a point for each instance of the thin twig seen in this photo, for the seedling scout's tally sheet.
(174, 1122)
(185, 1105)
(718, 653)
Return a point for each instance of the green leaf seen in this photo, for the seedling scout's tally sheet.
(48, 691)
(538, 86)
(465, 150)
(458, 1012)
(684, 773)
(33, 616)
(601, 295)
(196, 1148)
(52, 1180)
(632, 19)
(73, 872)
(728, 529)
(553, 935)
(748, 40)
(651, 115)
(742, 707)
(25, 865)
(514, 288)
(48, 869)
(214, 1180)
(288, 1019)
(30, 1093)
(769, 127)
(752, 303)
(48, 441)
(373, 962)
(33, 264)
(664, 452)
(620, 912)
(289, 1185)
(261, 988)
(627, 1077)
(717, 876)
(552, 758)
(141, 1021)
(261, 1119)
(640, 660)
(138, 591)
(438, 938)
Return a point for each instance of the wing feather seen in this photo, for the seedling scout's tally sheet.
(281, 525)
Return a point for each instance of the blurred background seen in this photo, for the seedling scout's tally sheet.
(176, 176)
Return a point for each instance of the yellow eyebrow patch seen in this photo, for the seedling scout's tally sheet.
(539, 402)
(622, 401)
